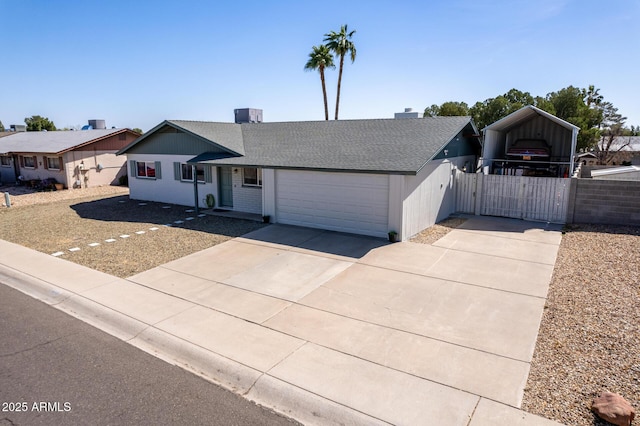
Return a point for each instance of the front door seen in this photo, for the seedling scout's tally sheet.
(225, 187)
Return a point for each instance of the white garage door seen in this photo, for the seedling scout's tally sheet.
(346, 202)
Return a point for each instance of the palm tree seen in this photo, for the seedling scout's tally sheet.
(319, 59)
(340, 43)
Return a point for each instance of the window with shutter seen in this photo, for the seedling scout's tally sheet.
(147, 169)
(52, 163)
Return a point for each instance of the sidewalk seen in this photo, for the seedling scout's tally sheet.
(270, 316)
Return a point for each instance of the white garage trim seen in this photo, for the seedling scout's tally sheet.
(345, 202)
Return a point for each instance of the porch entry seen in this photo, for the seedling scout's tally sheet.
(225, 187)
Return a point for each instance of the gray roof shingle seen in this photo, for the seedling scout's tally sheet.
(51, 142)
(382, 145)
(377, 145)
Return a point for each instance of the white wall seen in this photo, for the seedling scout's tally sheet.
(429, 196)
(167, 189)
(40, 172)
(269, 194)
(493, 142)
(245, 198)
(112, 167)
(70, 173)
(396, 197)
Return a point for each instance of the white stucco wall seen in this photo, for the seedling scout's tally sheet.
(245, 198)
(70, 174)
(269, 194)
(167, 189)
(40, 172)
(111, 168)
(429, 196)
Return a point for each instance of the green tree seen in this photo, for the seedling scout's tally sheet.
(36, 123)
(137, 130)
(447, 109)
(569, 104)
(432, 111)
(1, 127)
(592, 96)
(489, 111)
(544, 104)
(611, 129)
(518, 99)
(340, 43)
(321, 58)
(450, 109)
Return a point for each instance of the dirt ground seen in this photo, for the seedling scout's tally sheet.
(60, 222)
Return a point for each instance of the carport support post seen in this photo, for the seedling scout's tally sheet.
(195, 187)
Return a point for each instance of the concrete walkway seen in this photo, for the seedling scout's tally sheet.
(333, 328)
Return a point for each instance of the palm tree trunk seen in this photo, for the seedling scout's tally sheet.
(324, 94)
(339, 83)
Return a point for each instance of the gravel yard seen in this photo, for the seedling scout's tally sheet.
(437, 231)
(590, 331)
(57, 221)
(588, 339)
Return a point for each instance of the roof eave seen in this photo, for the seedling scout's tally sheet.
(316, 169)
(95, 140)
(176, 126)
(498, 125)
(209, 141)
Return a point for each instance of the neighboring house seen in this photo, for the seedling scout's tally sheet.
(623, 149)
(360, 176)
(587, 158)
(530, 142)
(74, 158)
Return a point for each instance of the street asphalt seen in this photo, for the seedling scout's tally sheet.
(56, 369)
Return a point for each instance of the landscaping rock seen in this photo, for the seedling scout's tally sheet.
(613, 408)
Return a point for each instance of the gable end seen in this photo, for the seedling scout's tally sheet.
(171, 141)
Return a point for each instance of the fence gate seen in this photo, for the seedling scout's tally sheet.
(520, 197)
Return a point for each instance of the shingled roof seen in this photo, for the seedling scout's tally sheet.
(378, 145)
(55, 142)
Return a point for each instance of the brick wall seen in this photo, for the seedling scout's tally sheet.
(245, 198)
(607, 202)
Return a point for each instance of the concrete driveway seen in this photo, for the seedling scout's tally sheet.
(374, 332)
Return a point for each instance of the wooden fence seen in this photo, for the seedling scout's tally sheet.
(521, 197)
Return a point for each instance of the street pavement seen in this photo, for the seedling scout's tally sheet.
(55, 369)
(333, 328)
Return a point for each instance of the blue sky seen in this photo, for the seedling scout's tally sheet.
(136, 63)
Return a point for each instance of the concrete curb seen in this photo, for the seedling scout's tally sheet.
(99, 316)
(32, 286)
(304, 406)
(256, 386)
(231, 375)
